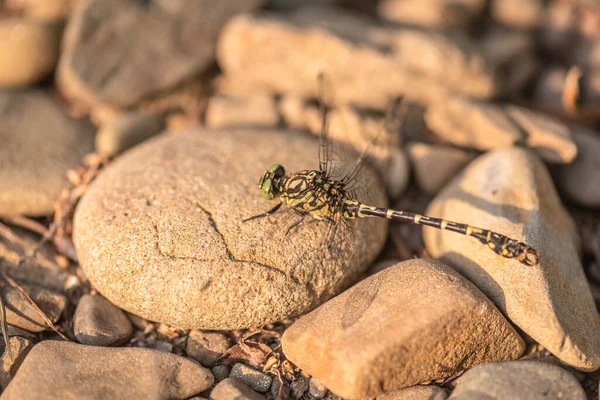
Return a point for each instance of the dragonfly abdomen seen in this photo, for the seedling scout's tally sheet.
(500, 244)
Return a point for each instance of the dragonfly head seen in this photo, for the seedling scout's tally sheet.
(270, 182)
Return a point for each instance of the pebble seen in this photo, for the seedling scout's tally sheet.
(484, 126)
(206, 347)
(232, 388)
(316, 390)
(518, 14)
(127, 130)
(417, 393)
(43, 10)
(291, 61)
(21, 313)
(33, 175)
(98, 322)
(432, 14)
(258, 110)
(28, 51)
(12, 359)
(178, 37)
(436, 165)
(547, 93)
(257, 380)
(221, 372)
(406, 328)
(532, 380)
(170, 210)
(510, 191)
(580, 180)
(59, 370)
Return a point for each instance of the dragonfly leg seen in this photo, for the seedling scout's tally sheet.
(265, 214)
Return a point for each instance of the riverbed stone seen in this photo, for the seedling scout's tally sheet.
(160, 234)
(510, 191)
(12, 358)
(406, 329)
(419, 392)
(126, 130)
(98, 322)
(116, 52)
(533, 380)
(40, 142)
(232, 388)
(206, 347)
(60, 370)
(21, 313)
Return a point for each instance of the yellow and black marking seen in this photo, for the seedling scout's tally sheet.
(314, 193)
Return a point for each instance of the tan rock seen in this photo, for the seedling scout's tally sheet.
(232, 388)
(406, 329)
(44, 10)
(518, 380)
(20, 312)
(28, 51)
(510, 191)
(226, 111)
(40, 142)
(127, 130)
(313, 40)
(160, 232)
(580, 180)
(484, 126)
(416, 393)
(206, 347)
(12, 358)
(62, 370)
(434, 166)
(519, 14)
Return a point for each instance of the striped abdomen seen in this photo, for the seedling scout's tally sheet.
(500, 244)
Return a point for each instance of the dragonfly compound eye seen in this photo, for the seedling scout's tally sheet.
(269, 183)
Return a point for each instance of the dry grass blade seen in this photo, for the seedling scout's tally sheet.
(14, 284)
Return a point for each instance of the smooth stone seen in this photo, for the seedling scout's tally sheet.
(171, 210)
(485, 126)
(316, 389)
(206, 347)
(510, 191)
(12, 358)
(32, 175)
(98, 322)
(28, 51)
(21, 313)
(416, 393)
(518, 14)
(43, 10)
(406, 329)
(127, 130)
(221, 372)
(226, 111)
(580, 180)
(232, 388)
(311, 40)
(532, 380)
(432, 14)
(117, 52)
(255, 379)
(61, 370)
(436, 165)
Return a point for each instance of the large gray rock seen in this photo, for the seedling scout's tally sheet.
(62, 370)
(160, 233)
(121, 52)
(39, 143)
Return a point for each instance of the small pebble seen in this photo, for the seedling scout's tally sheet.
(315, 389)
(12, 358)
(258, 110)
(232, 388)
(221, 372)
(127, 130)
(257, 380)
(21, 313)
(417, 393)
(98, 322)
(206, 347)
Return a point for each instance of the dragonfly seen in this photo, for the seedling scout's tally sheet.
(325, 197)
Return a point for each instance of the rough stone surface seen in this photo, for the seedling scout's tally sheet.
(416, 393)
(127, 130)
(97, 322)
(28, 51)
(21, 313)
(121, 52)
(518, 380)
(279, 52)
(258, 110)
(159, 233)
(484, 126)
(580, 180)
(406, 329)
(510, 191)
(62, 370)
(434, 166)
(32, 175)
(206, 347)
(232, 388)
(12, 358)
(257, 380)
